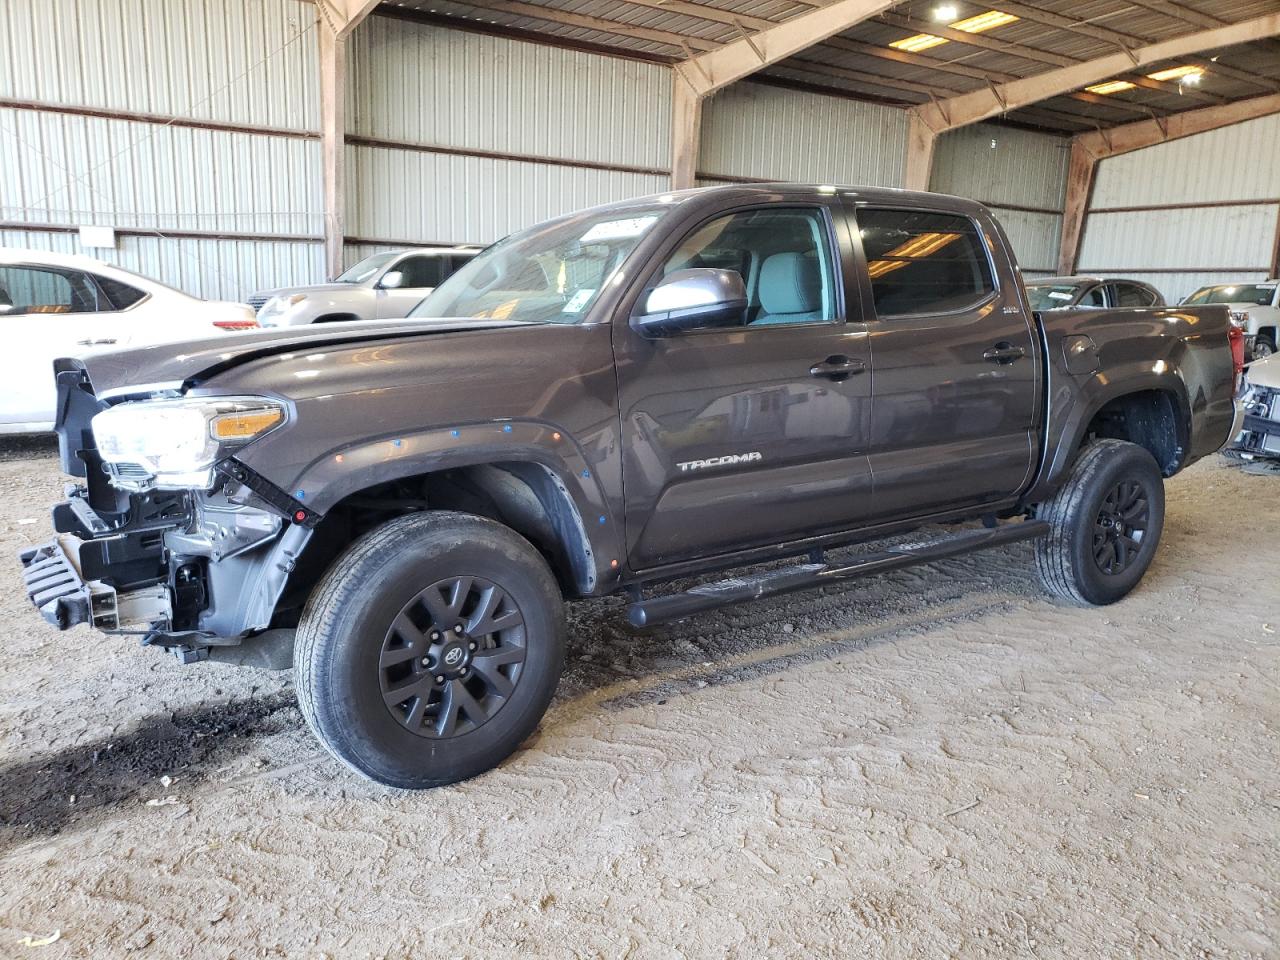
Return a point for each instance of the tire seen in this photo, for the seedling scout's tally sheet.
(1263, 347)
(388, 686)
(1097, 502)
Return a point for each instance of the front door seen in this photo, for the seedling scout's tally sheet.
(955, 405)
(406, 283)
(752, 434)
(47, 313)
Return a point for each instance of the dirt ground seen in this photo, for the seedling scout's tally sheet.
(939, 762)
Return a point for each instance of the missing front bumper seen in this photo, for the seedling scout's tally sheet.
(56, 587)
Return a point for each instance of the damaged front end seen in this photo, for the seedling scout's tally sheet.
(198, 571)
(1259, 403)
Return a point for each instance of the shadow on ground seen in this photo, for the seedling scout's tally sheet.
(36, 799)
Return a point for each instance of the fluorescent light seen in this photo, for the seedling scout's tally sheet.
(1111, 86)
(984, 21)
(1178, 73)
(921, 41)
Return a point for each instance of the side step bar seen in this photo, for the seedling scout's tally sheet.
(711, 596)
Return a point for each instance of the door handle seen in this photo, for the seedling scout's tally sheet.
(96, 343)
(837, 368)
(1004, 352)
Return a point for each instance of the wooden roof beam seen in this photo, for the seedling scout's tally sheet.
(980, 105)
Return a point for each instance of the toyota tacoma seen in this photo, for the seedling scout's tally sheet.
(634, 394)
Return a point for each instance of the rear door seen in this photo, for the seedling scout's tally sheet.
(954, 365)
(46, 313)
(754, 434)
(414, 277)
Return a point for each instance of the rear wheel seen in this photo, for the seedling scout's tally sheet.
(431, 649)
(1263, 347)
(1105, 524)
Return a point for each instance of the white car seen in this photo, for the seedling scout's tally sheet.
(57, 305)
(1254, 306)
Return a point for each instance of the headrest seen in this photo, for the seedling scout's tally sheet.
(790, 283)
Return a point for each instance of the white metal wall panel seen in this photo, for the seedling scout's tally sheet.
(237, 61)
(753, 130)
(1034, 237)
(71, 169)
(214, 269)
(1002, 165)
(1194, 239)
(426, 85)
(1233, 163)
(434, 198)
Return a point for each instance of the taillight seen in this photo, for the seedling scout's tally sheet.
(241, 324)
(1235, 336)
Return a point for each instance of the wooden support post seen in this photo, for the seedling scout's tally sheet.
(686, 127)
(333, 99)
(920, 143)
(1080, 172)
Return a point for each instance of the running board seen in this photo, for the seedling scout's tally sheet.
(724, 593)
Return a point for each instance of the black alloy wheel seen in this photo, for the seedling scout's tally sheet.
(452, 657)
(1120, 527)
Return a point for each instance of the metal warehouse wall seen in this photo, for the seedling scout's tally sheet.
(186, 124)
(753, 131)
(458, 137)
(1020, 175)
(1230, 231)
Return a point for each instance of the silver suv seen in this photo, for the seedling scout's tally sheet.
(384, 286)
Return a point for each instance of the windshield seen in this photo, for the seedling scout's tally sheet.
(551, 273)
(1256, 293)
(1051, 296)
(366, 268)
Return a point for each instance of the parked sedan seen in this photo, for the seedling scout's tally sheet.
(385, 286)
(1062, 293)
(57, 305)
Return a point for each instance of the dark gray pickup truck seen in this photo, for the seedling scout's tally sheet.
(635, 393)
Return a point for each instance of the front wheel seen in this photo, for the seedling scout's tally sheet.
(430, 650)
(1105, 524)
(1263, 347)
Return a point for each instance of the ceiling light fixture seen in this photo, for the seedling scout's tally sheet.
(1184, 73)
(984, 22)
(1111, 86)
(921, 41)
(945, 13)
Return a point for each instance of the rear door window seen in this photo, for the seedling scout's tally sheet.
(47, 290)
(1130, 295)
(922, 262)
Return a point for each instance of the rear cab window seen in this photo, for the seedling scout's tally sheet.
(924, 262)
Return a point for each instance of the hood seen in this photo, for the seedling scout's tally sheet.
(308, 288)
(1265, 373)
(172, 366)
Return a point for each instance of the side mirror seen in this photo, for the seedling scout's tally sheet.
(693, 299)
(391, 279)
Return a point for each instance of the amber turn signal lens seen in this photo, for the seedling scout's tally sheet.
(242, 426)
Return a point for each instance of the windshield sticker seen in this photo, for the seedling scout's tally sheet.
(618, 229)
(1059, 295)
(578, 301)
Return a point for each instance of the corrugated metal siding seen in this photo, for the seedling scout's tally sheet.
(1194, 239)
(751, 130)
(239, 61)
(68, 169)
(1002, 165)
(433, 198)
(1233, 163)
(214, 269)
(425, 85)
(1035, 237)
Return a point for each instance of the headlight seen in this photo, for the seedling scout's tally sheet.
(278, 305)
(177, 442)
